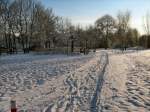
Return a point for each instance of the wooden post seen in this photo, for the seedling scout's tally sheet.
(13, 106)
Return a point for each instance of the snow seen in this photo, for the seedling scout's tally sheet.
(127, 86)
(82, 87)
(20, 75)
(82, 83)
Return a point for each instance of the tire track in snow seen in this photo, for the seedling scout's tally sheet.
(104, 61)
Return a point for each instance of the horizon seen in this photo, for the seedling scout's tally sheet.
(86, 12)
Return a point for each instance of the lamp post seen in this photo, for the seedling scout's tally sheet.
(72, 43)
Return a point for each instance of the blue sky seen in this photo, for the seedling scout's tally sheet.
(85, 12)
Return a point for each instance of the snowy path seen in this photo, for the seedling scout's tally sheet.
(83, 87)
(103, 61)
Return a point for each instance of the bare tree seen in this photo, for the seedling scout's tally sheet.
(123, 26)
(105, 26)
(146, 25)
(6, 21)
(67, 33)
(50, 23)
(30, 21)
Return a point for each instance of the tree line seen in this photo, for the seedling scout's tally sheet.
(27, 25)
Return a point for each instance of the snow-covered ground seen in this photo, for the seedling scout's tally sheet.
(108, 81)
(34, 81)
(82, 87)
(126, 85)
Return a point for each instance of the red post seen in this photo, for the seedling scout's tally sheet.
(13, 106)
(13, 110)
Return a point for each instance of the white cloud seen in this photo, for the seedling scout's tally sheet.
(83, 20)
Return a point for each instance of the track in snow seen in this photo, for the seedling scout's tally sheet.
(83, 87)
(104, 61)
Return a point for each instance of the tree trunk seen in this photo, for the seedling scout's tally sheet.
(72, 46)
